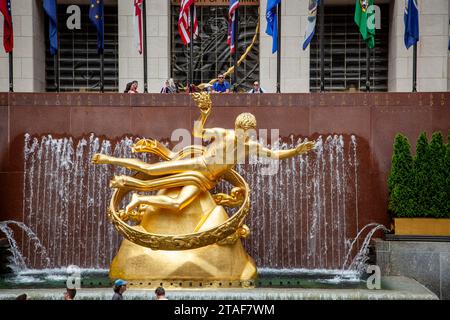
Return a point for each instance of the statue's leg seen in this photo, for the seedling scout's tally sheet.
(133, 164)
(153, 169)
(129, 182)
(185, 197)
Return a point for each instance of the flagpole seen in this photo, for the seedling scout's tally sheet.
(191, 47)
(144, 43)
(321, 43)
(11, 61)
(279, 48)
(414, 88)
(235, 56)
(11, 77)
(102, 69)
(55, 68)
(367, 68)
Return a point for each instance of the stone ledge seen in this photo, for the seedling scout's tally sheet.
(424, 261)
(397, 288)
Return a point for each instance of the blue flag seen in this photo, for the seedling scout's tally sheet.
(312, 18)
(96, 17)
(272, 23)
(50, 10)
(411, 23)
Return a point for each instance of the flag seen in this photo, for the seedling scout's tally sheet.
(8, 36)
(96, 17)
(234, 4)
(184, 21)
(362, 15)
(137, 23)
(312, 18)
(411, 18)
(272, 24)
(50, 10)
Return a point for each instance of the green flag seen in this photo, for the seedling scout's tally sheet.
(362, 15)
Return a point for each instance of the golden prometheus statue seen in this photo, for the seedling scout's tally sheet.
(181, 234)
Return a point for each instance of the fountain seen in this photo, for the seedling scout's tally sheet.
(316, 218)
(304, 218)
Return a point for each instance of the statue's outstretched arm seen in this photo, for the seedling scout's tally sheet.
(261, 151)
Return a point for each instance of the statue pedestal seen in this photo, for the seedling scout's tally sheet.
(213, 265)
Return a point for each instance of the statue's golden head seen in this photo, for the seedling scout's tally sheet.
(245, 121)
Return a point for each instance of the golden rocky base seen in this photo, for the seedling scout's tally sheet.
(212, 265)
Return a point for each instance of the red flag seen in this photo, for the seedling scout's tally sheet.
(184, 21)
(8, 39)
(137, 22)
(234, 4)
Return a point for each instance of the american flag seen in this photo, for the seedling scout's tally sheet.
(234, 4)
(137, 23)
(8, 38)
(184, 21)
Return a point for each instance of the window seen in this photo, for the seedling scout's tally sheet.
(78, 61)
(211, 52)
(345, 52)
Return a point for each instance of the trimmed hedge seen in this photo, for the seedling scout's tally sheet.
(420, 186)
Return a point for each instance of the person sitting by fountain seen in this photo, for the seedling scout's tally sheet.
(160, 294)
(70, 294)
(120, 286)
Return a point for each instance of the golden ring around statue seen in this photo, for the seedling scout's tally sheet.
(218, 234)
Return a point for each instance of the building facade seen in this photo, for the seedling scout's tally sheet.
(78, 65)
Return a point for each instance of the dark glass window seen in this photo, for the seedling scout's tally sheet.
(345, 52)
(211, 52)
(79, 63)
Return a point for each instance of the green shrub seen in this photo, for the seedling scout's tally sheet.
(421, 176)
(438, 173)
(447, 166)
(420, 186)
(400, 179)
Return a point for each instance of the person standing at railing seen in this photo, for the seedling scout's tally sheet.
(221, 85)
(256, 88)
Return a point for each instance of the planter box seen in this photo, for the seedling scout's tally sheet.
(422, 226)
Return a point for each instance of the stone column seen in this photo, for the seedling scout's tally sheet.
(158, 42)
(294, 61)
(29, 48)
(432, 52)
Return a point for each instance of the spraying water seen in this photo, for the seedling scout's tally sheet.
(358, 263)
(18, 261)
(303, 216)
